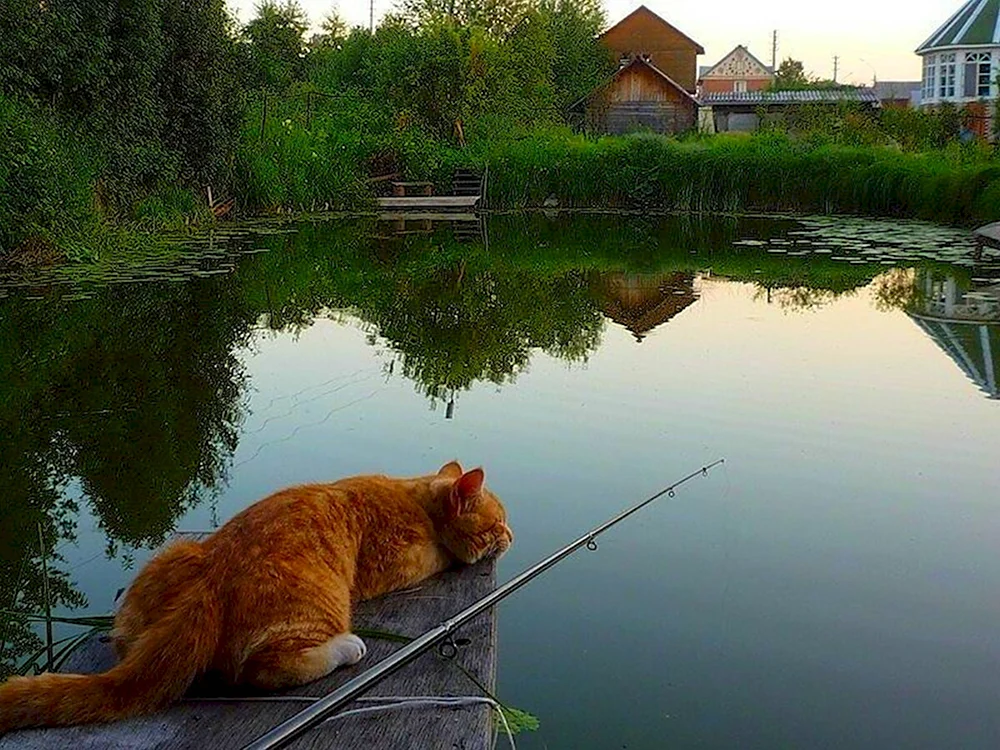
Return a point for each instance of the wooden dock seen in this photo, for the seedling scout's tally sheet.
(434, 203)
(199, 722)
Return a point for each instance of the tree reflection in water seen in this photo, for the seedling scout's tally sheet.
(132, 401)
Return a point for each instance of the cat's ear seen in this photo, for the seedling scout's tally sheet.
(466, 492)
(451, 470)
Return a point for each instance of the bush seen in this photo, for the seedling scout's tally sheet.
(45, 185)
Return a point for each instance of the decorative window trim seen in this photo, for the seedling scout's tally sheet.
(978, 75)
(946, 75)
(930, 76)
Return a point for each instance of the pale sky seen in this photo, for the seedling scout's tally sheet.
(870, 36)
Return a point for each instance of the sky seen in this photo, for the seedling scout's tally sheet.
(871, 37)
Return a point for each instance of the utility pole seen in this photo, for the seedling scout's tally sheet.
(836, 67)
(371, 16)
(774, 52)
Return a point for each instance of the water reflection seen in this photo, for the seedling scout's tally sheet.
(963, 319)
(131, 401)
(642, 302)
(134, 399)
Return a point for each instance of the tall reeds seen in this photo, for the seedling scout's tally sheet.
(729, 174)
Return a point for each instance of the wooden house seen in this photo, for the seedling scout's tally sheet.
(644, 34)
(736, 72)
(639, 96)
(640, 303)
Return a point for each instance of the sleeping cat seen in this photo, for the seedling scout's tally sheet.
(266, 600)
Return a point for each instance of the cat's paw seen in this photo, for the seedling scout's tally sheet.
(349, 649)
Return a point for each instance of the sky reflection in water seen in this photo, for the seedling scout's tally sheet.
(834, 586)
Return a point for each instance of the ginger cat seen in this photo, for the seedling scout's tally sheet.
(266, 600)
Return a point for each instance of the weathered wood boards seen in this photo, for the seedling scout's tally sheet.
(430, 203)
(199, 723)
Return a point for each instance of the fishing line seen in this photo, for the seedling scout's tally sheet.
(295, 403)
(350, 690)
(301, 427)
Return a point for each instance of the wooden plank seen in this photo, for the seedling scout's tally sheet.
(429, 203)
(429, 216)
(199, 722)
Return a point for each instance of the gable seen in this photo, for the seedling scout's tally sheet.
(739, 64)
(639, 80)
(644, 24)
(639, 83)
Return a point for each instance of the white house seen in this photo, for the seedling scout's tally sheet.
(962, 58)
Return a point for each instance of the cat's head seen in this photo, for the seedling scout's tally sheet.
(474, 521)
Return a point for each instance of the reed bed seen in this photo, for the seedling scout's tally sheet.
(725, 174)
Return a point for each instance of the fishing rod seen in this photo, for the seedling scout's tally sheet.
(323, 708)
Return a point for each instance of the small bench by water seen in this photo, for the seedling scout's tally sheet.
(222, 725)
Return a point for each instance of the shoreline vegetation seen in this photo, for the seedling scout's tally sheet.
(117, 122)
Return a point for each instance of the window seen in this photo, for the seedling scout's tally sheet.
(946, 76)
(930, 76)
(978, 75)
(739, 86)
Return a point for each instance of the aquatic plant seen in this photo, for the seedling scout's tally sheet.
(730, 174)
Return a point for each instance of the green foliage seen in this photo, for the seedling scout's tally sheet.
(117, 112)
(498, 17)
(520, 721)
(448, 70)
(293, 159)
(276, 43)
(850, 124)
(45, 184)
(790, 75)
(144, 95)
(580, 65)
(768, 172)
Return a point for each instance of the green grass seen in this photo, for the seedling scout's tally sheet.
(731, 174)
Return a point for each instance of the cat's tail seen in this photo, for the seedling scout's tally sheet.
(157, 670)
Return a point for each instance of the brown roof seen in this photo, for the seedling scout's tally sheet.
(641, 303)
(630, 64)
(642, 9)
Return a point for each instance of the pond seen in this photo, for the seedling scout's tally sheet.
(835, 585)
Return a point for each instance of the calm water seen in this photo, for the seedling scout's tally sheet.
(836, 585)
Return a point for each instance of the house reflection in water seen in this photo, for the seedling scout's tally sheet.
(965, 323)
(640, 302)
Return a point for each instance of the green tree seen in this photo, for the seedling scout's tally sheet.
(276, 43)
(790, 75)
(199, 83)
(333, 32)
(498, 17)
(146, 89)
(581, 61)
